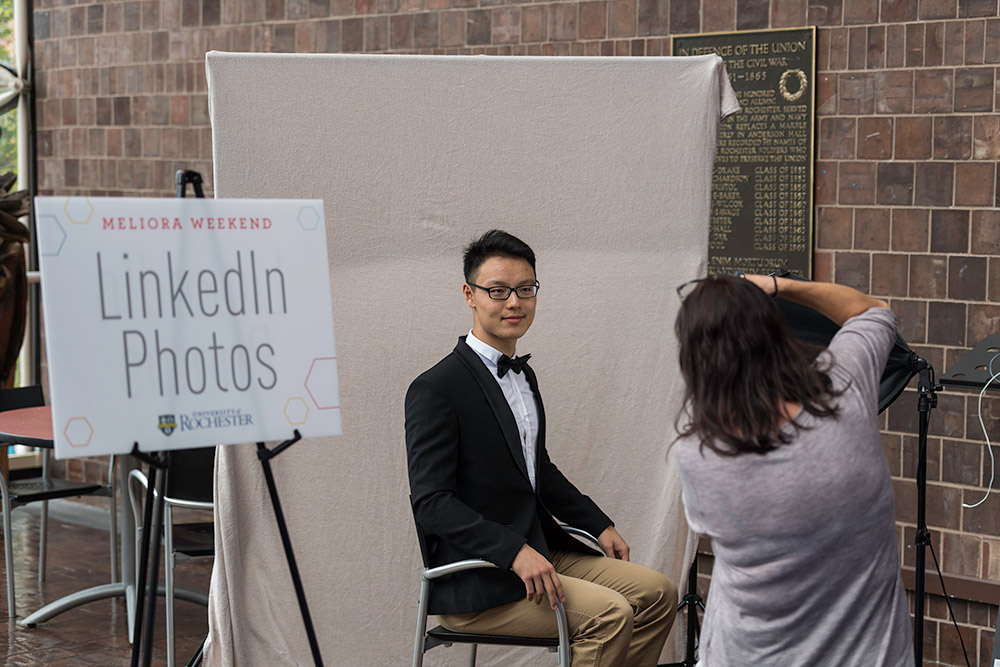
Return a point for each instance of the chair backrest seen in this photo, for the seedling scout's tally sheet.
(191, 474)
(21, 397)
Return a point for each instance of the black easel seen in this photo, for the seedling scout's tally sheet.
(148, 566)
(185, 176)
(691, 602)
(181, 179)
(265, 455)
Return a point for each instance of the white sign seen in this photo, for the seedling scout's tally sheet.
(176, 323)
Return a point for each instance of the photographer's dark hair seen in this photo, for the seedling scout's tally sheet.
(495, 243)
(740, 365)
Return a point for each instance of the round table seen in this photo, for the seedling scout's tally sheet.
(27, 426)
(33, 427)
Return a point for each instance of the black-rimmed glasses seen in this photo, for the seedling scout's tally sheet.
(684, 291)
(502, 293)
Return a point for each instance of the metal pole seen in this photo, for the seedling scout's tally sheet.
(926, 400)
(921, 541)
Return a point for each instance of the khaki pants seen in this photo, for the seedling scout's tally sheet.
(619, 613)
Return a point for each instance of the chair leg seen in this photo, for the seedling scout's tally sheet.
(43, 541)
(8, 549)
(168, 549)
(472, 654)
(420, 639)
(565, 653)
(43, 530)
(113, 511)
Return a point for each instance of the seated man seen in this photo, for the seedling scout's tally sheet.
(482, 486)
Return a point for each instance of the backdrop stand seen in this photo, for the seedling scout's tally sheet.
(265, 455)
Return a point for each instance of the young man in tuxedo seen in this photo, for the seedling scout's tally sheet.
(482, 486)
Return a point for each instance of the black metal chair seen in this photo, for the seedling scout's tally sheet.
(426, 639)
(190, 478)
(42, 489)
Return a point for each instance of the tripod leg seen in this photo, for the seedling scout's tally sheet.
(692, 613)
(690, 602)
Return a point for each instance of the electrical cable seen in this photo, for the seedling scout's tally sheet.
(947, 598)
(989, 449)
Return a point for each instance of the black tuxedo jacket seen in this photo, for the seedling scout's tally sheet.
(469, 483)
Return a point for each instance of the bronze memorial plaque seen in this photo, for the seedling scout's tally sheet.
(762, 187)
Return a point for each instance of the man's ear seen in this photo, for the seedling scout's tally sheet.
(467, 293)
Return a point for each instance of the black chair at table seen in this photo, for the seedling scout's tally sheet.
(190, 479)
(19, 492)
(426, 639)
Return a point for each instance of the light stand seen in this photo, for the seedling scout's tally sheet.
(691, 602)
(926, 400)
(811, 327)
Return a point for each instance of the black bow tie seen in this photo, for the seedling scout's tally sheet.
(507, 364)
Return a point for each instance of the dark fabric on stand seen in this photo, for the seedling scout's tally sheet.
(811, 327)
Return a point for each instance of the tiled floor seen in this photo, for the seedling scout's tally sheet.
(94, 633)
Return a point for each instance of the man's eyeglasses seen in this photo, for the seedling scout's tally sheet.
(502, 293)
(684, 291)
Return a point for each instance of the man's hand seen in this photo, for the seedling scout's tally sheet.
(613, 544)
(539, 576)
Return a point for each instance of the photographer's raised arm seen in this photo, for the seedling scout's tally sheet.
(838, 302)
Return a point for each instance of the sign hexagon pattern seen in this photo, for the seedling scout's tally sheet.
(308, 218)
(78, 431)
(296, 411)
(51, 245)
(321, 383)
(79, 210)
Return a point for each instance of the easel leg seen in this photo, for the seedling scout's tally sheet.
(154, 570)
(145, 606)
(265, 455)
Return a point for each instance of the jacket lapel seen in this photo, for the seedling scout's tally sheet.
(495, 397)
(540, 446)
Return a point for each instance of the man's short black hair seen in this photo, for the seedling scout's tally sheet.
(495, 243)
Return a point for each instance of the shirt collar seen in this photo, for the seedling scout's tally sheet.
(490, 354)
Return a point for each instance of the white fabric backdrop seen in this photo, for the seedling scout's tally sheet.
(603, 165)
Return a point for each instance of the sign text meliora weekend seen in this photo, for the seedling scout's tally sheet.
(131, 223)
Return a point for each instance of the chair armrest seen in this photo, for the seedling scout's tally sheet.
(587, 537)
(138, 477)
(475, 563)
(191, 504)
(457, 566)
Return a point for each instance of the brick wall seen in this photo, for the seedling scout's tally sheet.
(908, 133)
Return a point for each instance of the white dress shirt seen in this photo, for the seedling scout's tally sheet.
(519, 397)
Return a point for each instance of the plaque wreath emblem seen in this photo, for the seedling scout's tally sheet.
(783, 84)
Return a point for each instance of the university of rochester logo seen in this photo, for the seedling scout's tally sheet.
(167, 424)
(203, 419)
